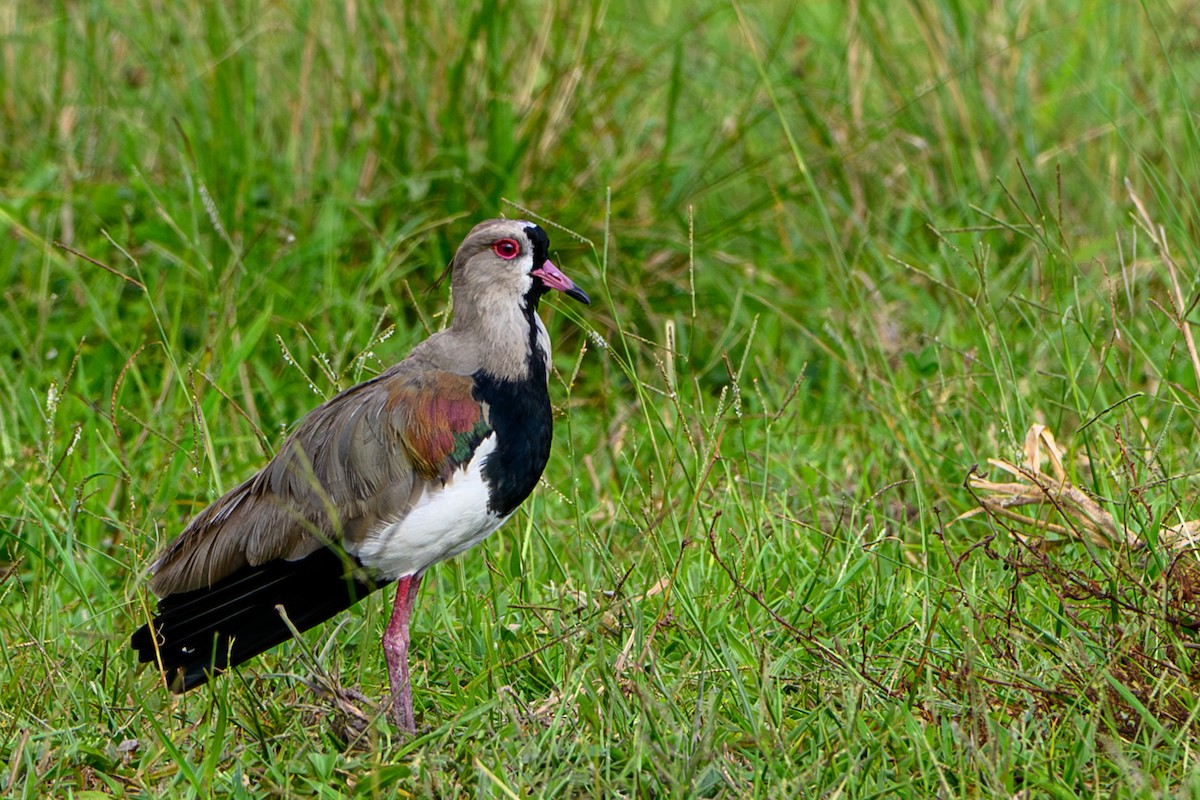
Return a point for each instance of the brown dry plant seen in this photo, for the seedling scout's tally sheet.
(1074, 514)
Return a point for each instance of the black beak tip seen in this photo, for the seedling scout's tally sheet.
(580, 295)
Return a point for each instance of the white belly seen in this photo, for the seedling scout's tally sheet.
(445, 521)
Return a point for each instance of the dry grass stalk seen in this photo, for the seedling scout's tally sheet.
(1079, 515)
(1179, 307)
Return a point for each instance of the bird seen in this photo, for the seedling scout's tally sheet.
(377, 484)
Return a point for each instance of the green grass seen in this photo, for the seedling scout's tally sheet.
(838, 256)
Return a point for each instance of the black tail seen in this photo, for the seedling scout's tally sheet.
(204, 632)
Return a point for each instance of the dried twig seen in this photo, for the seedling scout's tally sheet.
(1080, 516)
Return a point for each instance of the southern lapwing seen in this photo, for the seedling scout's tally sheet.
(377, 484)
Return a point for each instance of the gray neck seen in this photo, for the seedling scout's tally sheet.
(498, 342)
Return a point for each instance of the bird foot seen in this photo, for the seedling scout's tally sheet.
(402, 709)
(347, 704)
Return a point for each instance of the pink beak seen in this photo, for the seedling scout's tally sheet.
(554, 278)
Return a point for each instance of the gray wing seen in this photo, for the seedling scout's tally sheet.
(357, 461)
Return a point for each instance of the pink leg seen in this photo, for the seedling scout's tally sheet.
(395, 650)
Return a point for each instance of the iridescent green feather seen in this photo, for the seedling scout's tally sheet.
(465, 442)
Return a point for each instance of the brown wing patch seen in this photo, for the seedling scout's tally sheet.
(442, 422)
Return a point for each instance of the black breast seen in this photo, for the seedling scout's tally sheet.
(523, 425)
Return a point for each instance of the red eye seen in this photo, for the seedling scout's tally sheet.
(506, 248)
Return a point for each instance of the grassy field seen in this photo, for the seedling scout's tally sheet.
(840, 255)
